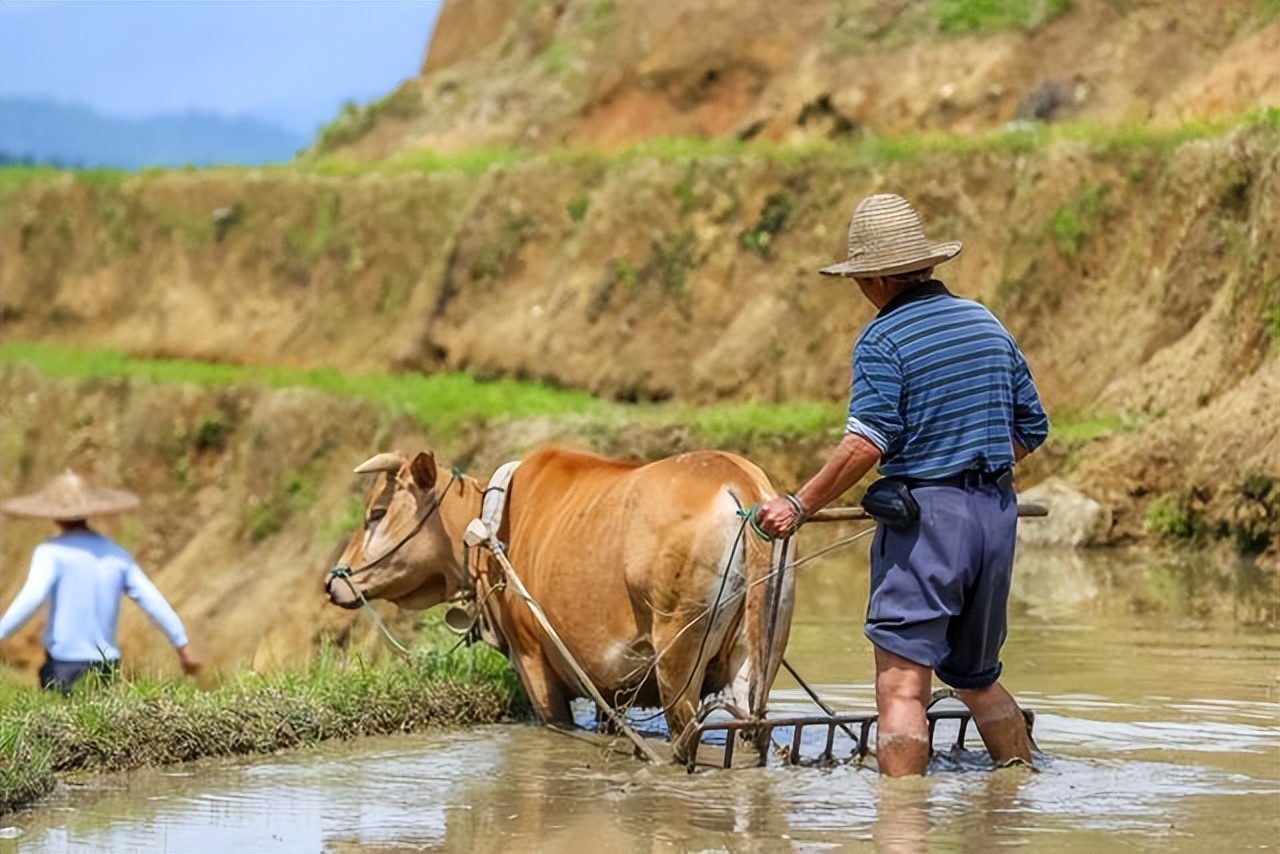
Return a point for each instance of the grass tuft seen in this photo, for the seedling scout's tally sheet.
(124, 725)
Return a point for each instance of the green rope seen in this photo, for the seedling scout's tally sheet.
(749, 514)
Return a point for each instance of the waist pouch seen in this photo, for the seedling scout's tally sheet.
(889, 501)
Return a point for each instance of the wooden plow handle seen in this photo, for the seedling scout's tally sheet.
(857, 514)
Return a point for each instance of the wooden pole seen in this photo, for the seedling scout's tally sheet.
(857, 514)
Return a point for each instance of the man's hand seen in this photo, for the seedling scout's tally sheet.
(845, 466)
(190, 664)
(778, 517)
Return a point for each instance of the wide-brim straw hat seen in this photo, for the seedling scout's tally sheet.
(886, 238)
(69, 496)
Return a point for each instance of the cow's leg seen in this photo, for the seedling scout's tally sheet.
(680, 674)
(546, 692)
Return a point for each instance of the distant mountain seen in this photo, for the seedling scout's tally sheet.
(49, 132)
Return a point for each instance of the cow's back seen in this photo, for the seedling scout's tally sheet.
(560, 497)
(602, 544)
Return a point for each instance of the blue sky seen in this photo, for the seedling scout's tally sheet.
(289, 62)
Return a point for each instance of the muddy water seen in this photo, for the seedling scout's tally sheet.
(1156, 697)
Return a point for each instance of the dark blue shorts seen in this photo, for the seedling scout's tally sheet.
(58, 675)
(940, 589)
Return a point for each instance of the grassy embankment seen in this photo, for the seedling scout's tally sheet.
(862, 150)
(444, 403)
(126, 725)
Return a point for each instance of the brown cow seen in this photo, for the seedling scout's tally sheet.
(646, 572)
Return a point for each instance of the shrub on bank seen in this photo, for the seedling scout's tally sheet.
(144, 723)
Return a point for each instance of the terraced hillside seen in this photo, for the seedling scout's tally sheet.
(662, 260)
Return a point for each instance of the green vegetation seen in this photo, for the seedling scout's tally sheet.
(1073, 427)
(1175, 516)
(1253, 510)
(853, 151)
(577, 207)
(13, 177)
(324, 236)
(1071, 431)
(140, 723)
(473, 161)
(1264, 12)
(670, 261)
(971, 16)
(1075, 222)
(442, 403)
(354, 122)
(498, 250)
(860, 26)
(773, 218)
(686, 189)
(211, 435)
(438, 402)
(733, 425)
(296, 495)
(1271, 309)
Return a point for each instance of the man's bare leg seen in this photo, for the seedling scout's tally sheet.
(1000, 723)
(902, 731)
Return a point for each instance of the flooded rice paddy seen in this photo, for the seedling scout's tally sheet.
(1154, 683)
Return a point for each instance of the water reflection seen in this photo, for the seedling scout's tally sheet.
(1159, 733)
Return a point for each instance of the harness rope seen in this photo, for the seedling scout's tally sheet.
(748, 519)
(748, 516)
(345, 572)
(706, 633)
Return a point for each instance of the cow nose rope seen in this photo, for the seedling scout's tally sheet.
(344, 573)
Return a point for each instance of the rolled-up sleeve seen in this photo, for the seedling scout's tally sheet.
(875, 393)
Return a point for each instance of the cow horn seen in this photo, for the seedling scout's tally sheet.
(388, 461)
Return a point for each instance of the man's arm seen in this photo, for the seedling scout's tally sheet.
(847, 463)
(141, 590)
(1030, 424)
(36, 589)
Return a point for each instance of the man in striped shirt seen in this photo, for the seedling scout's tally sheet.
(943, 401)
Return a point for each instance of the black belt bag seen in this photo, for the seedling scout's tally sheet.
(889, 501)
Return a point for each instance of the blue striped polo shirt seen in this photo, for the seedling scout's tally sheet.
(940, 386)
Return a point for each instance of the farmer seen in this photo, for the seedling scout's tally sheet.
(83, 574)
(942, 400)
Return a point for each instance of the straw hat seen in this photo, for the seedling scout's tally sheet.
(69, 496)
(886, 238)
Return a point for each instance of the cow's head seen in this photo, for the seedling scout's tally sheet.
(402, 552)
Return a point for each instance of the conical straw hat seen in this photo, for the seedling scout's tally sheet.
(69, 496)
(886, 238)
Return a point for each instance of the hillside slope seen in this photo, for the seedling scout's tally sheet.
(1136, 262)
(1141, 278)
(612, 72)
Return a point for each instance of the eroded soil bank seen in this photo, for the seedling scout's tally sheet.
(1138, 269)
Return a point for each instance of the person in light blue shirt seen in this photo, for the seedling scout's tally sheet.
(83, 576)
(943, 403)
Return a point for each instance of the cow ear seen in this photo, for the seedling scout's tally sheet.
(423, 469)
